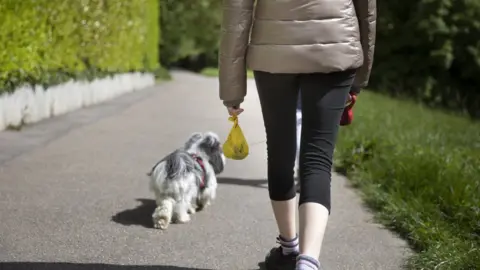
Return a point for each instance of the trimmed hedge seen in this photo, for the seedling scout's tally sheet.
(430, 50)
(48, 42)
(420, 170)
(190, 30)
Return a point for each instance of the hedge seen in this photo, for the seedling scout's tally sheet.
(430, 50)
(420, 170)
(190, 30)
(47, 42)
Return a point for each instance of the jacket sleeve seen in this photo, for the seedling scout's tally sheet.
(235, 34)
(367, 18)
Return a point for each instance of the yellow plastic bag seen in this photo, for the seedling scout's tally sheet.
(236, 146)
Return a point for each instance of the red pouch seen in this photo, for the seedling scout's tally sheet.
(347, 116)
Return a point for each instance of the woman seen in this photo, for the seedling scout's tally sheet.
(323, 48)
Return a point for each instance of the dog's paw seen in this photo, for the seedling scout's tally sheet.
(192, 210)
(183, 219)
(161, 218)
(161, 223)
(207, 204)
(203, 205)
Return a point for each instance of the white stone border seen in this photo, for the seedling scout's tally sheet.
(29, 105)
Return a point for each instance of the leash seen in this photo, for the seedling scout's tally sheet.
(200, 162)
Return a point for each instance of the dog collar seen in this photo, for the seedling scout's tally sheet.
(200, 163)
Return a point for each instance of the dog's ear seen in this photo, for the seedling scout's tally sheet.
(212, 147)
(210, 143)
(217, 162)
(194, 138)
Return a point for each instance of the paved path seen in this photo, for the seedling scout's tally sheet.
(74, 195)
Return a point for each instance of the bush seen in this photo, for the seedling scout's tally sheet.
(213, 72)
(420, 169)
(430, 50)
(47, 42)
(190, 29)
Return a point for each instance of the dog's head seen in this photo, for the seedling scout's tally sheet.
(210, 145)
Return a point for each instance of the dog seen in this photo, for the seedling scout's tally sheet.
(185, 181)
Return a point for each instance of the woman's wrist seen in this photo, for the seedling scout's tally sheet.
(355, 90)
(232, 103)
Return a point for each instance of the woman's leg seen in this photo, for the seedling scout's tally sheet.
(299, 124)
(323, 101)
(278, 98)
(299, 133)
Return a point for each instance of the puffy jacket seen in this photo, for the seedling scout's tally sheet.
(294, 36)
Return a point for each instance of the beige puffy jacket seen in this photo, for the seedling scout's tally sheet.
(294, 36)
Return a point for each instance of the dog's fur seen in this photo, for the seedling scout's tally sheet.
(176, 179)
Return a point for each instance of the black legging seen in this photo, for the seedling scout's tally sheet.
(323, 100)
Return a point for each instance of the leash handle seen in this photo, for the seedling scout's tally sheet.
(351, 102)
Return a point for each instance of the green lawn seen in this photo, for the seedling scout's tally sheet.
(419, 170)
(213, 72)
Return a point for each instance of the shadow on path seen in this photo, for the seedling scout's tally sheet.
(260, 183)
(139, 216)
(80, 266)
(142, 214)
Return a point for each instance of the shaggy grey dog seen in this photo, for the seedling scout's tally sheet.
(185, 180)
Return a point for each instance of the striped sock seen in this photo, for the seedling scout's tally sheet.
(305, 262)
(288, 246)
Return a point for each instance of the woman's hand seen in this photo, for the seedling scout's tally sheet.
(234, 111)
(349, 100)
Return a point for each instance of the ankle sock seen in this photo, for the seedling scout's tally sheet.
(305, 262)
(288, 246)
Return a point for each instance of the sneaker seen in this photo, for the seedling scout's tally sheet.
(275, 260)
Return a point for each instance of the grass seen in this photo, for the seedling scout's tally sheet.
(419, 169)
(213, 72)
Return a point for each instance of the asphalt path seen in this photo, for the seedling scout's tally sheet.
(74, 194)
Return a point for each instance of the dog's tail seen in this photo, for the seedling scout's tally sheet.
(178, 164)
(150, 173)
(175, 165)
